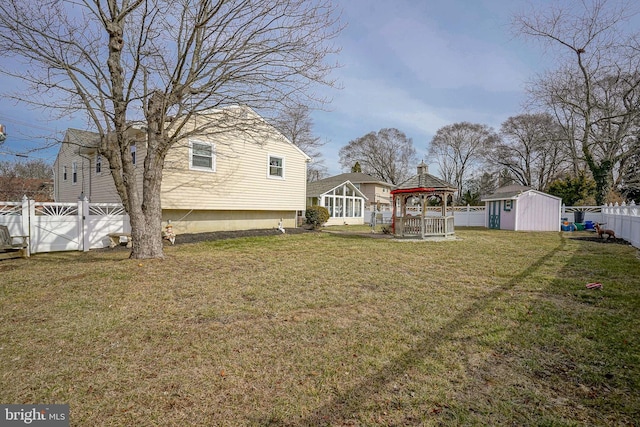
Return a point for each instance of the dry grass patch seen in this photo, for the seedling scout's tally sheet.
(321, 329)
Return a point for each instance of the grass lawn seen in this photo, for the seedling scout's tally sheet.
(323, 329)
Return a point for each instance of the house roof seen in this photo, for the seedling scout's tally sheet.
(323, 186)
(512, 192)
(359, 178)
(88, 141)
(82, 138)
(423, 181)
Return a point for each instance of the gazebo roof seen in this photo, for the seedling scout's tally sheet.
(423, 182)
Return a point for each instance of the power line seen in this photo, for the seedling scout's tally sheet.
(9, 119)
(8, 153)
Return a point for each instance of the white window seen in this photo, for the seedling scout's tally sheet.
(64, 173)
(276, 167)
(98, 164)
(508, 205)
(133, 154)
(202, 156)
(74, 172)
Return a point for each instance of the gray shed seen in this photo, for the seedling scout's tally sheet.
(520, 208)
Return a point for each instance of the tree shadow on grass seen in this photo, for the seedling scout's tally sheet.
(342, 407)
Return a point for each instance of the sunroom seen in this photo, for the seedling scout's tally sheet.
(343, 200)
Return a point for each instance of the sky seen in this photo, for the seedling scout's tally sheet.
(416, 65)
(421, 65)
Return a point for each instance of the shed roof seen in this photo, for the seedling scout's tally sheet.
(512, 192)
(507, 192)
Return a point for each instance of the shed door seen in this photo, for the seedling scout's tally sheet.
(494, 215)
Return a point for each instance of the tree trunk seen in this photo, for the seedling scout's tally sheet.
(146, 228)
(146, 217)
(147, 240)
(604, 180)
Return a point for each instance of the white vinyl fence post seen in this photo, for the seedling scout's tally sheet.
(83, 214)
(26, 221)
(86, 233)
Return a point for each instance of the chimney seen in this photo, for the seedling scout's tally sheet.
(423, 168)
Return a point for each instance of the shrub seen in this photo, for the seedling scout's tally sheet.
(316, 215)
(575, 191)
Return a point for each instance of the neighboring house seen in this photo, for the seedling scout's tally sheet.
(235, 179)
(519, 208)
(13, 189)
(344, 201)
(377, 192)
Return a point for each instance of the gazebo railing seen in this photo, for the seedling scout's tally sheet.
(411, 226)
(433, 226)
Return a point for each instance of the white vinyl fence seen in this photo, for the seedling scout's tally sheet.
(463, 216)
(590, 213)
(624, 220)
(55, 227)
(82, 226)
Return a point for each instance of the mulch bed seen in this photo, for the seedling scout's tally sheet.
(217, 235)
(221, 235)
(589, 236)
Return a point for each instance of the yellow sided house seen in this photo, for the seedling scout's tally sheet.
(236, 178)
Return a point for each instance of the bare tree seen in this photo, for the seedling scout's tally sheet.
(459, 149)
(31, 178)
(630, 182)
(387, 154)
(531, 149)
(164, 62)
(596, 86)
(296, 124)
(36, 169)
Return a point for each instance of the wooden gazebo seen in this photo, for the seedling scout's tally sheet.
(410, 201)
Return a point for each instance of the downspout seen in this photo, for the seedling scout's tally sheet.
(89, 161)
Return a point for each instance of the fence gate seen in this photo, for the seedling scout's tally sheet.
(55, 227)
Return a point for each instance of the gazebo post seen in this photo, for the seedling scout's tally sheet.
(403, 210)
(393, 215)
(444, 204)
(423, 215)
(443, 213)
